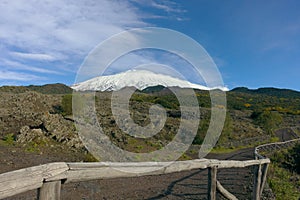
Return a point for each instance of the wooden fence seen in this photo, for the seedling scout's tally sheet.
(272, 147)
(47, 179)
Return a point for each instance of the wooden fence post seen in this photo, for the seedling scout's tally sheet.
(264, 177)
(50, 191)
(212, 183)
(257, 182)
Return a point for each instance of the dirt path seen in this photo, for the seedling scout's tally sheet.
(183, 185)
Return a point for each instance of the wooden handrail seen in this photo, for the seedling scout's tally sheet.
(258, 148)
(47, 178)
(23, 180)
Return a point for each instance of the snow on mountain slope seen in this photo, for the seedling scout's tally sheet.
(139, 79)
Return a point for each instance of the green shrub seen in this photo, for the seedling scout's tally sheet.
(282, 176)
(227, 131)
(9, 139)
(32, 147)
(268, 120)
(167, 103)
(202, 130)
(280, 182)
(291, 159)
(66, 105)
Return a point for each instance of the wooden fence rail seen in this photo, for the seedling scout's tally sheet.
(273, 146)
(49, 177)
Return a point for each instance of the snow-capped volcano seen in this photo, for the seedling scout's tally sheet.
(139, 79)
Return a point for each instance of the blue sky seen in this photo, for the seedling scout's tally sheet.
(254, 43)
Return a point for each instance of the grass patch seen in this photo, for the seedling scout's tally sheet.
(220, 150)
(185, 157)
(32, 147)
(139, 147)
(90, 158)
(284, 173)
(8, 140)
(36, 146)
(284, 183)
(274, 139)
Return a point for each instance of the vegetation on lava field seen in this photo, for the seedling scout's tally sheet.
(251, 114)
(40, 114)
(284, 173)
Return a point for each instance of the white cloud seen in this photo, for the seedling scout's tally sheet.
(34, 56)
(62, 25)
(18, 76)
(173, 9)
(167, 6)
(61, 31)
(54, 36)
(14, 65)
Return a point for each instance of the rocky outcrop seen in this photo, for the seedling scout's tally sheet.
(61, 129)
(24, 109)
(31, 116)
(28, 134)
(52, 126)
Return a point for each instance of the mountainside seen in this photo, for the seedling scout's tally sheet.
(139, 79)
(284, 93)
(247, 112)
(55, 88)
